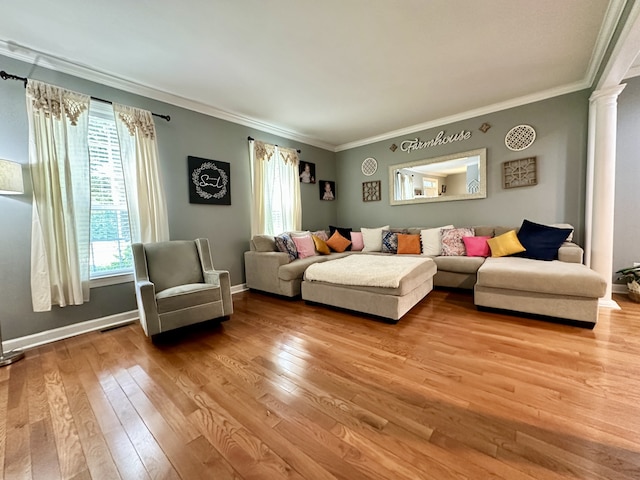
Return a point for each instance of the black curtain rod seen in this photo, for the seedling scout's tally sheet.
(251, 139)
(8, 76)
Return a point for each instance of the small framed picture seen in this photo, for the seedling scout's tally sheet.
(327, 190)
(307, 172)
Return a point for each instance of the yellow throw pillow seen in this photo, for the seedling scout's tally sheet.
(337, 242)
(321, 245)
(505, 244)
(408, 243)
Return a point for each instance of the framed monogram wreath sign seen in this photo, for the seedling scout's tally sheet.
(209, 181)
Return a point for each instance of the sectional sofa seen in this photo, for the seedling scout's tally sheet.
(562, 288)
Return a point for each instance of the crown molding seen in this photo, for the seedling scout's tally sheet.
(496, 107)
(607, 29)
(52, 62)
(633, 72)
(624, 52)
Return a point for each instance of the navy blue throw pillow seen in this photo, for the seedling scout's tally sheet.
(345, 232)
(541, 241)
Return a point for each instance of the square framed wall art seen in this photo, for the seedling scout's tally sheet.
(519, 173)
(371, 191)
(209, 181)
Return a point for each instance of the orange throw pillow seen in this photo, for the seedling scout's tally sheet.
(408, 243)
(338, 243)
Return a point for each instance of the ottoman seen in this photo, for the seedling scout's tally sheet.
(564, 290)
(384, 286)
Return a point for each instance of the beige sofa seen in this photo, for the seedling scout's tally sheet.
(563, 288)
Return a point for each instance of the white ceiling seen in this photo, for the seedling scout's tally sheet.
(332, 73)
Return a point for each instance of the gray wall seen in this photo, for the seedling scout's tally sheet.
(626, 245)
(560, 148)
(188, 133)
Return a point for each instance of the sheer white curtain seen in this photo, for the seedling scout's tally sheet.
(403, 186)
(59, 165)
(145, 196)
(275, 186)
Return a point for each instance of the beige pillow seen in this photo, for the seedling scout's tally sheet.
(264, 243)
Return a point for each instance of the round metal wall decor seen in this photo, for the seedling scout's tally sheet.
(520, 137)
(369, 166)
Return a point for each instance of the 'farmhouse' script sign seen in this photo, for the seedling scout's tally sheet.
(440, 139)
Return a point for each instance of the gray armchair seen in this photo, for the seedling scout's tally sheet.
(176, 285)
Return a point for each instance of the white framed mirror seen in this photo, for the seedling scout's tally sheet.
(458, 176)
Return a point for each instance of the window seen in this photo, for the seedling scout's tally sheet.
(110, 233)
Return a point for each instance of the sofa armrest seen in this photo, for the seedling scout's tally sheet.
(261, 269)
(570, 252)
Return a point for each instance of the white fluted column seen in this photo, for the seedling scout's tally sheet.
(601, 176)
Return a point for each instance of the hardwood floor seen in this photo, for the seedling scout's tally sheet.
(289, 390)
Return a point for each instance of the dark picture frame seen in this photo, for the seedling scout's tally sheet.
(307, 177)
(371, 191)
(327, 194)
(209, 181)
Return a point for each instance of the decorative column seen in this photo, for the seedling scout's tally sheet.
(601, 175)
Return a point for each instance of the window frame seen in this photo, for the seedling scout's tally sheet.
(104, 111)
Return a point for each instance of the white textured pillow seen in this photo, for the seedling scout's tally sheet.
(372, 238)
(431, 241)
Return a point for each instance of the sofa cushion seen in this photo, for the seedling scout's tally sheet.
(552, 277)
(484, 231)
(372, 238)
(459, 264)
(431, 242)
(452, 243)
(408, 244)
(304, 246)
(338, 243)
(264, 243)
(541, 242)
(295, 270)
(285, 245)
(505, 244)
(321, 245)
(477, 246)
(186, 296)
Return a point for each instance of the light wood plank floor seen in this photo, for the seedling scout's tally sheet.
(289, 390)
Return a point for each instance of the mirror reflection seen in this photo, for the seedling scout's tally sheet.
(458, 176)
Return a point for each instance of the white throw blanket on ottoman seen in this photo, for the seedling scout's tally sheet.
(364, 270)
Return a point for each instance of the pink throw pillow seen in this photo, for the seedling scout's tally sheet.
(477, 246)
(305, 246)
(357, 242)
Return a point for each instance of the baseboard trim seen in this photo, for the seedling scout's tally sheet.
(50, 336)
(239, 288)
(619, 288)
(111, 321)
(612, 304)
